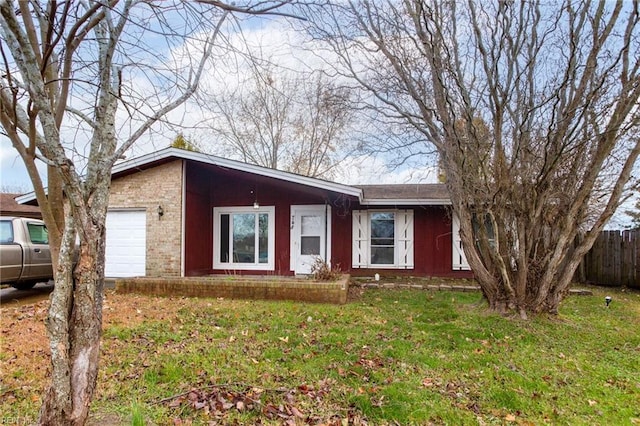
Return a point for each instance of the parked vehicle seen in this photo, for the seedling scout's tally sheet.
(25, 258)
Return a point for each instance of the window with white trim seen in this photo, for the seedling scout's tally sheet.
(244, 238)
(382, 239)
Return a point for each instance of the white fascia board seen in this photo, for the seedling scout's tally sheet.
(25, 198)
(405, 202)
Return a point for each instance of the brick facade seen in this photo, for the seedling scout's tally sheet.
(146, 190)
(233, 287)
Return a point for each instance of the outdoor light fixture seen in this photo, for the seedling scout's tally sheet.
(160, 212)
(607, 300)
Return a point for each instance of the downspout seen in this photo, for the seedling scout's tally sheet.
(183, 218)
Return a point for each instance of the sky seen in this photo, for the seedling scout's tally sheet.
(359, 169)
(285, 47)
(277, 42)
(13, 174)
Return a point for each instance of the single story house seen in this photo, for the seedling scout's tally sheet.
(181, 213)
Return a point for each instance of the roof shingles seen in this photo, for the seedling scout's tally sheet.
(412, 191)
(9, 207)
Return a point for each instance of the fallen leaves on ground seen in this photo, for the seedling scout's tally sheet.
(283, 405)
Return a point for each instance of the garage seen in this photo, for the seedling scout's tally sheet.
(126, 243)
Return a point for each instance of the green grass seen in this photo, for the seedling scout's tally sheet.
(393, 357)
(137, 415)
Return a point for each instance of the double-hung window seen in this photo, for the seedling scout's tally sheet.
(244, 238)
(383, 239)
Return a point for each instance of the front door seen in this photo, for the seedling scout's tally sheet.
(310, 236)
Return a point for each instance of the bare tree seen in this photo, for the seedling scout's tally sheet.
(320, 127)
(533, 109)
(92, 77)
(634, 215)
(284, 120)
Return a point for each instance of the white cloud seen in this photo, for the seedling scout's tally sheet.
(368, 169)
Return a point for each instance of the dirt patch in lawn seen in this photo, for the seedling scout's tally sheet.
(24, 345)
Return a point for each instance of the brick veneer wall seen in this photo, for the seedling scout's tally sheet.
(258, 288)
(146, 190)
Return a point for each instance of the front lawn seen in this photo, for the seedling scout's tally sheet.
(390, 357)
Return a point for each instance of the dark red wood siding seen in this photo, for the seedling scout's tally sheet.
(433, 239)
(432, 244)
(198, 224)
(210, 186)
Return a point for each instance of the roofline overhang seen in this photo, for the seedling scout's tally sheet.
(25, 198)
(180, 154)
(167, 153)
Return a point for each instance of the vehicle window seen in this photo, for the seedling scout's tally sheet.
(38, 233)
(6, 232)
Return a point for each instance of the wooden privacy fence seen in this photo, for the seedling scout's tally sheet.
(614, 259)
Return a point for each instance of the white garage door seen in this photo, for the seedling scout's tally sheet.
(126, 243)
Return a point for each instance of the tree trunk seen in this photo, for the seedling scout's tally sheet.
(74, 326)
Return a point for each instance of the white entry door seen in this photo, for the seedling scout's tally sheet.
(310, 236)
(126, 240)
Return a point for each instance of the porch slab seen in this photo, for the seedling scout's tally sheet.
(240, 287)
